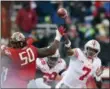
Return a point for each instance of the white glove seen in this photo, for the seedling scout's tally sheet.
(58, 36)
(68, 45)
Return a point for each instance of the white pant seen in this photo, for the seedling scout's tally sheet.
(63, 85)
(38, 83)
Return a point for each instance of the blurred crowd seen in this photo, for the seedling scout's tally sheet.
(90, 20)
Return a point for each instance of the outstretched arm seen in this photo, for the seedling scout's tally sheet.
(43, 52)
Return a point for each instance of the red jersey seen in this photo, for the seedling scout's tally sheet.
(22, 67)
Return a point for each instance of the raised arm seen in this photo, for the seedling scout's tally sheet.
(62, 13)
(43, 52)
(69, 50)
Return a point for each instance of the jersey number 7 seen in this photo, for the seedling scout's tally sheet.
(87, 71)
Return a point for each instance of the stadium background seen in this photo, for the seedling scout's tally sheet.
(90, 20)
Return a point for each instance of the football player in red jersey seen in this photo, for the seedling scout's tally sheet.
(21, 59)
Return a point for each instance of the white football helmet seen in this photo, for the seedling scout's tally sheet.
(52, 60)
(94, 44)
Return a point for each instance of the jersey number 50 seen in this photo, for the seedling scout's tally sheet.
(27, 56)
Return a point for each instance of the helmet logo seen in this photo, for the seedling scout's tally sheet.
(20, 37)
(94, 43)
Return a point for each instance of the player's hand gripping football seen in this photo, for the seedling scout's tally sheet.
(62, 13)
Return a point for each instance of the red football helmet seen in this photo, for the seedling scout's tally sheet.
(17, 40)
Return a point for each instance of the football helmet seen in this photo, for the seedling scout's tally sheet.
(52, 60)
(17, 40)
(93, 45)
(17, 36)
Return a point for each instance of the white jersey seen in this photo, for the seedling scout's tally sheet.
(79, 70)
(50, 73)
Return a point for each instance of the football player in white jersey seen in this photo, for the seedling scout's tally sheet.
(83, 64)
(52, 67)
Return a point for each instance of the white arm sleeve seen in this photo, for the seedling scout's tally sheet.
(38, 63)
(98, 65)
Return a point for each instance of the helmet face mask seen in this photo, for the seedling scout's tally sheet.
(52, 61)
(17, 40)
(18, 44)
(91, 52)
(92, 48)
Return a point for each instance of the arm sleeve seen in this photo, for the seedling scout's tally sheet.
(38, 63)
(98, 78)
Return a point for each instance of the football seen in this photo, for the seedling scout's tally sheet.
(62, 12)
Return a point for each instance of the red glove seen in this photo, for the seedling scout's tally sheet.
(62, 30)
